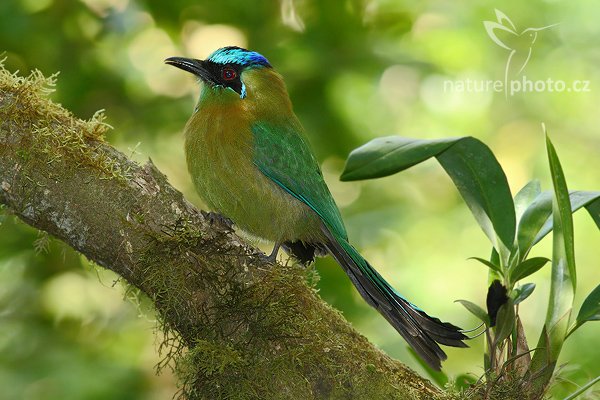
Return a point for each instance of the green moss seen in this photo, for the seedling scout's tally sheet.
(510, 386)
(258, 331)
(26, 100)
(24, 155)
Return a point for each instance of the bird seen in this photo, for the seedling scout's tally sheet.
(504, 33)
(250, 160)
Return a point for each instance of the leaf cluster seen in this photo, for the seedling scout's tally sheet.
(513, 225)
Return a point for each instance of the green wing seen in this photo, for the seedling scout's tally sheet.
(284, 156)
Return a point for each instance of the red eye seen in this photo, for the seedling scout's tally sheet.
(228, 74)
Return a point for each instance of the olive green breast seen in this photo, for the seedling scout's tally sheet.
(219, 152)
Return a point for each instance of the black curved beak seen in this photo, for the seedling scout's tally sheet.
(196, 67)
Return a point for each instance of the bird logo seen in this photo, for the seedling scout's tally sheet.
(520, 45)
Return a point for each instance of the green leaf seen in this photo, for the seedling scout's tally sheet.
(563, 257)
(594, 210)
(487, 263)
(477, 311)
(527, 267)
(536, 221)
(577, 199)
(522, 292)
(470, 164)
(388, 155)
(464, 382)
(590, 309)
(482, 183)
(494, 259)
(505, 321)
(487, 360)
(562, 282)
(583, 389)
(526, 196)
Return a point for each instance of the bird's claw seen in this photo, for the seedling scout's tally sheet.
(272, 258)
(215, 218)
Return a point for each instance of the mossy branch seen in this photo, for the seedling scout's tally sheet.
(250, 329)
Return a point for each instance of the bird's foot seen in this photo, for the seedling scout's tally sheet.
(272, 258)
(215, 218)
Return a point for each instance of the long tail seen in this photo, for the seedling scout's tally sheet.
(422, 332)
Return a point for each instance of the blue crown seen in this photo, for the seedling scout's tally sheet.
(237, 55)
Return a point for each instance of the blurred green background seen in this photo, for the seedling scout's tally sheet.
(355, 70)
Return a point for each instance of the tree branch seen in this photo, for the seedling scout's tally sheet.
(251, 329)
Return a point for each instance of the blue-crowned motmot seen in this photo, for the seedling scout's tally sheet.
(250, 160)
